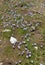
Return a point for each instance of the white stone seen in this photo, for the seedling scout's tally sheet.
(20, 61)
(36, 47)
(27, 56)
(41, 46)
(13, 40)
(34, 44)
(41, 64)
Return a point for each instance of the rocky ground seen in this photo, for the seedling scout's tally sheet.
(25, 21)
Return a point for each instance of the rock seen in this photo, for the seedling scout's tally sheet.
(25, 28)
(20, 43)
(13, 25)
(27, 56)
(37, 24)
(2, 17)
(20, 61)
(17, 26)
(31, 13)
(13, 40)
(41, 64)
(34, 44)
(36, 47)
(41, 46)
(29, 24)
(28, 53)
(19, 47)
(33, 28)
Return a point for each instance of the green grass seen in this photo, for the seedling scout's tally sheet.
(7, 35)
(21, 31)
(38, 56)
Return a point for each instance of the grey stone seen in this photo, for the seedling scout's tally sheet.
(20, 43)
(19, 47)
(25, 28)
(38, 24)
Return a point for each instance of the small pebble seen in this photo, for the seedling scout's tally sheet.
(41, 64)
(20, 61)
(27, 56)
(18, 47)
(36, 47)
